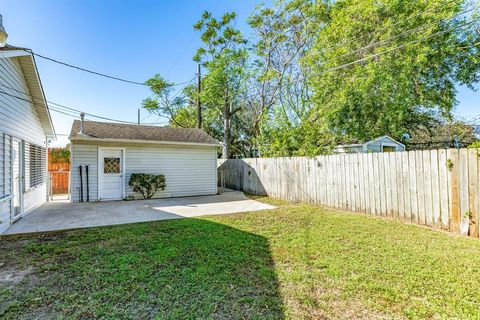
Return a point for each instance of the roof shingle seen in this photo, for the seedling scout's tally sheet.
(108, 130)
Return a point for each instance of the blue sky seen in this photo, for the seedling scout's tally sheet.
(127, 39)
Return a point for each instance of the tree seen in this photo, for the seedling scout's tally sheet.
(163, 103)
(279, 95)
(389, 66)
(443, 134)
(224, 56)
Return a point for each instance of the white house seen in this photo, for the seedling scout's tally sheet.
(111, 152)
(25, 127)
(380, 144)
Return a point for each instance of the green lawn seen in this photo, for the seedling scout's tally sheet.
(297, 261)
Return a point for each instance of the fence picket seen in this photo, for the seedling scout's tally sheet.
(427, 185)
(474, 200)
(434, 173)
(444, 189)
(413, 187)
(398, 178)
(463, 183)
(438, 188)
(406, 184)
(381, 184)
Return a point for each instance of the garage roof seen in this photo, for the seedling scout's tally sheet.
(108, 131)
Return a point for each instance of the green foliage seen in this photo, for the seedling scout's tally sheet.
(412, 57)
(294, 262)
(320, 73)
(163, 102)
(224, 55)
(60, 155)
(444, 131)
(147, 184)
(449, 165)
(475, 145)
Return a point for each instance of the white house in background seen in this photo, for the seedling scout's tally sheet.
(25, 127)
(381, 144)
(112, 152)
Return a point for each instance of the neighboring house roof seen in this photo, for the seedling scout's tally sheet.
(115, 132)
(30, 72)
(356, 145)
(385, 137)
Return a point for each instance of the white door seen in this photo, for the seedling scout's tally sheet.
(17, 164)
(110, 174)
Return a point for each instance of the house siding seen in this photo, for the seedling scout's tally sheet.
(376, 145)
(19, 120)
(5, 181)
(188, 170)
(19, 117)
(83, 155)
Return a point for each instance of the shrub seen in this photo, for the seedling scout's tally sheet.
(147, 184)
(475, 145)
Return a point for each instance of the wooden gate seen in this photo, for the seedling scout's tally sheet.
(59, 173)
(59, 181)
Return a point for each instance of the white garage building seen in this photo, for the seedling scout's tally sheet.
(112, 152)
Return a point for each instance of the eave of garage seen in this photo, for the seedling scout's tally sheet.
(131, 141)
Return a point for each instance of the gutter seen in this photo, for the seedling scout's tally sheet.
(87, 139)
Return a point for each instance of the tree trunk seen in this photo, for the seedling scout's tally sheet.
(226, 127)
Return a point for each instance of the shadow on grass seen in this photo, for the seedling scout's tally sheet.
(190, 268)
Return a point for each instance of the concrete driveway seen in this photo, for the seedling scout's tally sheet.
(64, 215)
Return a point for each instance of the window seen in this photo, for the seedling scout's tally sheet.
(388, 149)
(111, 165)
(35, 165)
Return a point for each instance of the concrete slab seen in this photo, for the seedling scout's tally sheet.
(61, 215)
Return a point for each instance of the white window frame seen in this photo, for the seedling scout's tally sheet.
(388, 144)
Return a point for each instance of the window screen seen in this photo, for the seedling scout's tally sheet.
(35, 165)
(111, 165)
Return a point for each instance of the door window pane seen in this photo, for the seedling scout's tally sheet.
(111, 165)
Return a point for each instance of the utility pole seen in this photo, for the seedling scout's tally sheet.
(199, 104)
(138, 117)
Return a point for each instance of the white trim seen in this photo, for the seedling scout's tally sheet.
(44, 98)
(13, 53)
(21, 173)
(145, 141)
(100, 170)
(7, 197)
(388, 144)
(70, 178)
(215, 157)
(389, 138)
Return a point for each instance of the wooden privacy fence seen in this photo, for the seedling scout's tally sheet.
(437, 188)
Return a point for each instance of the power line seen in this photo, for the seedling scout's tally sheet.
(174, 96)
(91, 71)
(373, 55)
(67, 112)
(399, 21)
(187, 46)
(374, 44)
(59, 106)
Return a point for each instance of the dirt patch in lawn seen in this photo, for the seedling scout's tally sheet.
(10, 276)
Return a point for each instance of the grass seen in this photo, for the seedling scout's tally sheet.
(296, 262)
